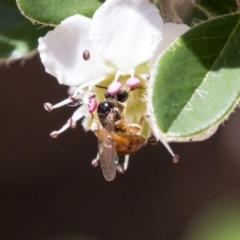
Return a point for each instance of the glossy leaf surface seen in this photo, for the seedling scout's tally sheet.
(196, 82)
(52, 12)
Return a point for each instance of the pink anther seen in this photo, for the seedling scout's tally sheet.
(114, 87)
(54, 134)
(48, 107)
(176, 159)
(92, 104)
(133, 82)
(72, 123)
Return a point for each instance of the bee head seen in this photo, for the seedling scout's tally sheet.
(105, 107)
(120, 96)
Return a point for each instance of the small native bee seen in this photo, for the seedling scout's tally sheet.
(115, 135)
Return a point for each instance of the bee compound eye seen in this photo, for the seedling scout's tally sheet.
(122, 96)
(105, 107)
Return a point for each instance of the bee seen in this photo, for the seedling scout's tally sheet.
(115, 135)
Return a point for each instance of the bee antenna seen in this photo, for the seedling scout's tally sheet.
(99, 86)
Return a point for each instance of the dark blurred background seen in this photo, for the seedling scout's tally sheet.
(49, 190)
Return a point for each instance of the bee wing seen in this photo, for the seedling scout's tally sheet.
(107, 150)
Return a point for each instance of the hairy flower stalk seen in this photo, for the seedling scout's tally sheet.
(115, 50)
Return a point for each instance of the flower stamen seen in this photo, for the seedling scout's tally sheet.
(176, 159)
(72, 124)
(55, 134)
(71, 100)
(48, 107)
(133, 82)
(114, 87)
(92, 104)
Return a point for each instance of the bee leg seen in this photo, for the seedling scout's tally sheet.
(120, 168)
(95, 161)
(142, 119)
(133, 129)
(126, 161)
(120, 125)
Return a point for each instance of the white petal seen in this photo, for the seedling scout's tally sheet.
(170, 32)
(200, 137)
(61, 52)
(126, 32)
(71, 90)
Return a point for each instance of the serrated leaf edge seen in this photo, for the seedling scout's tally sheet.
(34, 21)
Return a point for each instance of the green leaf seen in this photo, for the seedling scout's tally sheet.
(18, 36)
(196, 82)
(52, 12)
(219, 7)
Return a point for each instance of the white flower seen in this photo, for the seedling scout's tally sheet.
(116, 49)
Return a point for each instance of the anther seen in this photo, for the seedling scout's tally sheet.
(86, 55)
(92, 104)
(133, 82)
(48, 107)
(54, 134)
(176, 159)
(72, 124)
(114, 87)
